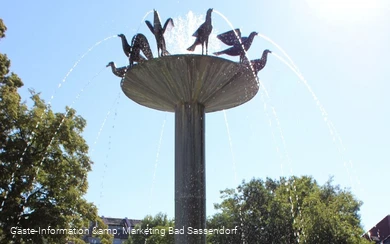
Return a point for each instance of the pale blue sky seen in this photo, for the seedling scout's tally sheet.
(341, 47)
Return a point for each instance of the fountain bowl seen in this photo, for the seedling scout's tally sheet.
(165, 82)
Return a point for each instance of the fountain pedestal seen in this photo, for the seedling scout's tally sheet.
(190, 86)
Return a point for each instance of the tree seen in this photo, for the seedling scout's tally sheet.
(294, 210)
(3, 28)
(153, 230)
(43, 165)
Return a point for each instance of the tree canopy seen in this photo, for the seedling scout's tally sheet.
(3, 28)
(288, 210)
(43, 163)
(294, 210)
(158, 231)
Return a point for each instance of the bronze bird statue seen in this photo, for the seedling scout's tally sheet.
(125, 45)
(239, 44)
(140, 43)
(202, 33)
(120, 72)
(259, 64)
(158, 32)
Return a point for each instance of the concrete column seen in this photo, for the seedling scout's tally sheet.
(190, 172)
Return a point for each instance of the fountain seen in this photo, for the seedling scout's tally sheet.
(189, 85)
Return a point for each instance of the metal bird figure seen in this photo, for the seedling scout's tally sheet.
(158, 32)
(202, 33)
(259, 64)
(232, 37)
(139, 43)
(125, 45)
(239, 44)
(120, 72)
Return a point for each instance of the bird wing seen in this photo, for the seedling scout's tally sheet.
(200, 30)
(256, 64)
(150, 26)
(168, 25)
(248, 41)
(230, 37)
(231, 51)
(157, 22)
(122, 70)
(142, 42)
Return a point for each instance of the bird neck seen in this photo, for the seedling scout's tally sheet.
(264, 57)
(113, 67)
(208, 18)
(248, 42)
(124, 41)
(250, 38)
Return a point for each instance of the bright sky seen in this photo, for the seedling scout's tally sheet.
(340, 46)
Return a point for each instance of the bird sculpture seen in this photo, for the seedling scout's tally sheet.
(259, 64)
(239, 44)
(120, 72)
(202, 33)
(125, 45)
(158, 32)
(139, 43)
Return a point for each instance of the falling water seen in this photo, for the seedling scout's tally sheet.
(280, 49)
(73, 67)
(107, 154)
(332, 130)
(238, 37)
(95, 143)
(284, 156)
(98, 137)
(32, 136)
(142, 22)
(234, 170)
(104, 122)
(231, 147)
(64, 80)
(263, 91)
(66, 114)
(156, 162)
(56, 131)
(143, 19)
(180, 37)
(104, 173)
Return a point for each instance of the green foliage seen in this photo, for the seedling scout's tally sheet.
(43, 165)
(295, 210)
(11, 80)
(158, 227)
(3, 28)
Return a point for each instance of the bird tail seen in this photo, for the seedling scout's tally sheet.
(192, 48)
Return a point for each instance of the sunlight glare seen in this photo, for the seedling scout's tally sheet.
(345, 10)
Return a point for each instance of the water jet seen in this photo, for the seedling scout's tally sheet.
(190, 86)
